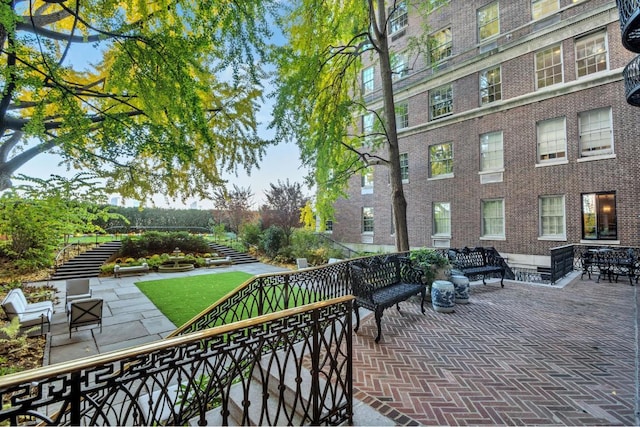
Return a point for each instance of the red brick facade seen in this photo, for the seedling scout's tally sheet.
(524, 178)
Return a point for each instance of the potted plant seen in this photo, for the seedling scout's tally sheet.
(433, 264)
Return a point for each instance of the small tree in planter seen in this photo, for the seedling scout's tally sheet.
(433, 264)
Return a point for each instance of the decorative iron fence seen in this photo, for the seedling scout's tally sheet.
(629, 12)
(562, 262)
(193, 378)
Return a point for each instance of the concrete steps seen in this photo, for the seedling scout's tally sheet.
(236, 257)
(88, 263)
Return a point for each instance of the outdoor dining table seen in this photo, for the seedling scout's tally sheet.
(612, 263)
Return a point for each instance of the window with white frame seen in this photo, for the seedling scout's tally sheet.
(442, 219)
(542, 8)
(552, 217)
(404, 167)
(368, 80)
(441, 160)
(491, 152)
(441, 101)
(493, 218)
(591, 54)
(490, 85)
(552, 140)
(367, 178)
(434, 4)
(399, 17)
(367, 220)
(399, 65)
(368, 121)
(596, 133)
(440, 45)
(402, 115)
(549, 67)
(488, 21)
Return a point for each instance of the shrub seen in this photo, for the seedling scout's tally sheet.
(272, 240)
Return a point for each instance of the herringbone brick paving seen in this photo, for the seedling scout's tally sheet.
(520, 355)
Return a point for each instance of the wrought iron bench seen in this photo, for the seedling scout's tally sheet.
(478, 262)
(381, 283)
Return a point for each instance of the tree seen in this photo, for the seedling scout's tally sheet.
(319, 96)
(235, 205)
(284, 203)
(169, 106)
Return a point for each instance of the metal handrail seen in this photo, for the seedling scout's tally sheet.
(181, 379)
(629, 12)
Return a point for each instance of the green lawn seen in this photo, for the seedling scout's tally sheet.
(182, 298)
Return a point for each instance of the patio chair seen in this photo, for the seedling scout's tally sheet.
(85, 312)
(302, 263)
(77, 289)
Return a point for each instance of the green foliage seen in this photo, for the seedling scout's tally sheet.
(251, 234)
(158, 219)
(309, 244)
(273, 239)
(429, 261)
(154, 242)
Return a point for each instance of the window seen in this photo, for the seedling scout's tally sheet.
(441, 159)
(328, 226)
(552, 217)
(490, 85)
(491, 152)
(441, 101)
(591, 54)
(493, 218)
(367, 80)
(552, 140)
(434, 4)
(399, 66)
(542, 8)
(488, 21)
(368, 121)
(367, 220)
(549, 67)
(399, 18)
(442, 219)
(599, 220)
(367, 178)
(404, 167)
(402, 115)
(440, 45)
(596, 135)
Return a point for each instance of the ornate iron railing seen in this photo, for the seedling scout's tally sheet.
(629, 11)
(192, 378)
(631, 74)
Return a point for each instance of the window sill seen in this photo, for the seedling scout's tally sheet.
(500, 238)
(594, 158)
(552, 238)
(443, 176)
(552, 163)
(599, 242)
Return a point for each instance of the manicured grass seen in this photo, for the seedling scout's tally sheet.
(184, 297)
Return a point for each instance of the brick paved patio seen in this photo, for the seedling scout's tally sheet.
(520, 355)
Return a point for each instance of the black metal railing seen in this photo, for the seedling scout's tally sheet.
(629, 11)
(192, 378)
(562, 262)
(631, 74)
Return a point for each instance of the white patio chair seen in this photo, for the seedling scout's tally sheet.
(77, 289)
(85, 312)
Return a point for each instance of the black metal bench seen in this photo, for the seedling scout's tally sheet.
(478, 262)
(381, 283)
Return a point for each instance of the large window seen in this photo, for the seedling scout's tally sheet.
(599, 221)
(367, 178)
(367, 220)
(440, 45)
(491, 152)
(399, 66)
(552, 140)
(549, 67)
(488, 21)
(368, 122)
(441, 160)
(404, 167)
(591, 54)
(402, 115)
(552, 223)
(367, 80)
(490, 85)
(442, 219)
(399, 18)
(441, 101)
(542, 8)
(493, 218)
(596, 136)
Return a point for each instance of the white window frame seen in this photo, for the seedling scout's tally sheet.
(367, 218)
(399, 66)
(404, 167)
(591, 58)
(446, 161)
(366, 183)
(402, 115)
(368, 80)
(444, 220)
(552, 133)
(543, 8)
(598, 129)
(554, 216)
(440, 45)
(497, 218)
(492, 149)
(490, 91)
(482, 25)
(398, 18)
(547, 69)
(441, 101)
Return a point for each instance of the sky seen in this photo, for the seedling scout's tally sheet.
(280, 162)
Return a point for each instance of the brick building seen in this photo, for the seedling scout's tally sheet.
(514, 132)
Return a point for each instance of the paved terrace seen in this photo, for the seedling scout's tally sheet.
(526, 354)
